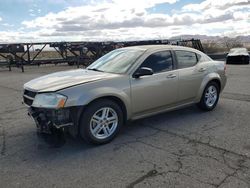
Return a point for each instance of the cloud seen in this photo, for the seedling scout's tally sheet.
(7, 25)
(118, 15)
(1, 19)
(32, 14)
(218, 4)
(121, 15)
(131, 20)
(106, 15)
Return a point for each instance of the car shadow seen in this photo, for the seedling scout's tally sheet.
(34, 149)
(65, 147)
(60, 139)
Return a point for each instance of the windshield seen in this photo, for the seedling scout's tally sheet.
(117, 61)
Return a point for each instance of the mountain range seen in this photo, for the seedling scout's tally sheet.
(205, 38)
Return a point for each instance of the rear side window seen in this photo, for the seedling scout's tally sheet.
(198, 57)
(159, 61)
(186, 59)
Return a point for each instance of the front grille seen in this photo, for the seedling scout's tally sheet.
(28, 97)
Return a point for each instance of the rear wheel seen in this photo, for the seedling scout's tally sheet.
(101, 122)
(209, 97)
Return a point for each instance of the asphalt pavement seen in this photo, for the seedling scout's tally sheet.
(183, 148)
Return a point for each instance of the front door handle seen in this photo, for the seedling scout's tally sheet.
(202, 69)
(171, 76)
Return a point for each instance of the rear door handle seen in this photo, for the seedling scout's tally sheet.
(171, 76)
(202, 69)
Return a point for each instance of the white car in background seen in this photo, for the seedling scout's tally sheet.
(238, 55)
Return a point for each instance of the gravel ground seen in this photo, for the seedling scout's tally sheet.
(183, 148)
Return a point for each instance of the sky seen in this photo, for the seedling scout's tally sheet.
(119, 20)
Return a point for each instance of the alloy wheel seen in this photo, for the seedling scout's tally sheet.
(211, 96)
(103, 123)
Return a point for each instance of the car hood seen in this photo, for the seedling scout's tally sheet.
(64, 79)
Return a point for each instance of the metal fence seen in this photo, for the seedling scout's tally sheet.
(79, 53)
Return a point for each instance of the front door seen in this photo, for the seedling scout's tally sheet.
(150, 93)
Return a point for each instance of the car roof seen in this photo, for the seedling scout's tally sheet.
(162, 46)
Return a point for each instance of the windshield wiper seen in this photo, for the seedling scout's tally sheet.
(95, 69)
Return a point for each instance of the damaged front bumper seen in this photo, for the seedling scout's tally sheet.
(48, 120)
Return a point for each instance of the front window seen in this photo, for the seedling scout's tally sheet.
(159, 62)
(117, 61)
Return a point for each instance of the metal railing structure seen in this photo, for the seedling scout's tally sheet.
(79, 53)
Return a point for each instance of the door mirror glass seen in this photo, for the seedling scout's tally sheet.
(143, 71)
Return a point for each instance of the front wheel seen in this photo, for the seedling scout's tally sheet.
(101, 122)
(209, 97)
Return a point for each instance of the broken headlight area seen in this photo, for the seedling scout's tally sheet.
(48, 120)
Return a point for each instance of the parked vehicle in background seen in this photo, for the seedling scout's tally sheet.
(125, 84)
(238, 56)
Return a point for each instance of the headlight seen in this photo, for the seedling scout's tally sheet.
(49, 100)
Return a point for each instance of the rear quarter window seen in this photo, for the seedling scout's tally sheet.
(203, 58)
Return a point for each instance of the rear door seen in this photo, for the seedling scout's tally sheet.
(158, 90)
(190, 75)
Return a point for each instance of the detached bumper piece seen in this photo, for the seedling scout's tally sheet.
(47, 120)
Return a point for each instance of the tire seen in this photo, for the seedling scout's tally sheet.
(208, 100)
(101, 122)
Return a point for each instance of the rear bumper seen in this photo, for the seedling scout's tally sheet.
(223, 82)
(47, 120)
(240, 59)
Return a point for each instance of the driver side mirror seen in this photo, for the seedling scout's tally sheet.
(143, 71)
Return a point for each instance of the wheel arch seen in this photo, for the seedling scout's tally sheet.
(217, 81)
(208, 79)
(113, 98)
